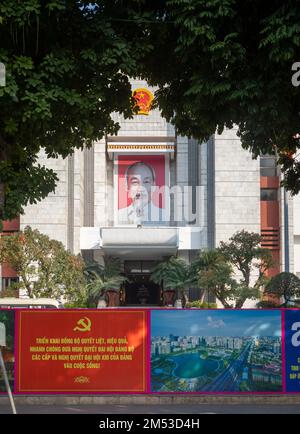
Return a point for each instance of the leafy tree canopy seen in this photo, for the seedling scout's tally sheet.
(242, 254)
(217, 63)
(43, 265)
(221, 63)
(67, 68)
(286, 286)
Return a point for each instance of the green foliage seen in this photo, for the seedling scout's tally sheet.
(220, 64)
(45, 268)
(67, 68)
(286, 286)
(267, 304)
(215, 269)
(24, 185)
(217, 64)
(243, 251)
(214, 274)
(202, 305)
(102, 278)
(11, 291)
(81, 299)
(175, 274)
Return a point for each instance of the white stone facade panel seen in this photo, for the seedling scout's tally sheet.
(237, 188)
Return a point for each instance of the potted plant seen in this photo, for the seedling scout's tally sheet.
(104, 282)
(176, 276)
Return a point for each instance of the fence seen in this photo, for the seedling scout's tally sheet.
(158, 351)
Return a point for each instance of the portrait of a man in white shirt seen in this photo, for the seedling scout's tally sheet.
(140, 185)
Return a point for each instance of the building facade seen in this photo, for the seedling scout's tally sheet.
(147, 194)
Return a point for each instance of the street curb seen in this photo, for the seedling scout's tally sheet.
(151, 400)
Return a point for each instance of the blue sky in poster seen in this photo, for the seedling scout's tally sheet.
(216, 323)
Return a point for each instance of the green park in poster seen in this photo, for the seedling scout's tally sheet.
(214, 351)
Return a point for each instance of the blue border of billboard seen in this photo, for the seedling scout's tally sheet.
(292, 350)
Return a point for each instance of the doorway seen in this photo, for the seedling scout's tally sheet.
(140, 290)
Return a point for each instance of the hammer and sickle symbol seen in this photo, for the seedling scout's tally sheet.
(83, 325)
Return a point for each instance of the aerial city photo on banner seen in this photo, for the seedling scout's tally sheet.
(216, 351)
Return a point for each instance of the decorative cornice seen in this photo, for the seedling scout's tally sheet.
(144, 147)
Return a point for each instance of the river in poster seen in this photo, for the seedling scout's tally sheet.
(213, 351)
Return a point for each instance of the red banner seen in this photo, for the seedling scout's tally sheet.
(82, 351)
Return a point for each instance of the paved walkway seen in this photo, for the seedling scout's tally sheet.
(154, 409)
(154, 399)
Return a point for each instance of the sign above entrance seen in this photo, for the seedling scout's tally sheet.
(143, 98)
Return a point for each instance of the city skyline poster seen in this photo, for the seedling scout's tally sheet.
(213, 351)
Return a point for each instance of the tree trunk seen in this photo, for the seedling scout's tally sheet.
(219, 295)
(240, 302)
(27, 285)
(223, 301)
(202, 295)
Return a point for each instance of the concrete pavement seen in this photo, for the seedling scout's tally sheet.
(154, 409)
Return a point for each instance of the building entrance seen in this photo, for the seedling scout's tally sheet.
(140, 290)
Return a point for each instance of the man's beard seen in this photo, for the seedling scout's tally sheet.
(139, 202)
